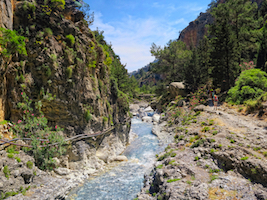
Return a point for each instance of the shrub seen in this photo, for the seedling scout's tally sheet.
(265, 153)
(10, 155)
(173, 180)
(196, 158)
(232, 141)
(214, 132)
(159, 166)
(35, 126)
(257, 148)
(205, 129)
(173, 154)
(244, 158)
(29, 164)
(105, 119)
(48, 32)
(70, 38)
(198, 143)
(58, 4)
(163, 156)
(250, 85)
(6, 172)
(88, 115)
(48, 72)
(69, 72)
(213, 177)
(212, 151)
(11, 43)
(18, 159)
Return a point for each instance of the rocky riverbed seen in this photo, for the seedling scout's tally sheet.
(214, 155)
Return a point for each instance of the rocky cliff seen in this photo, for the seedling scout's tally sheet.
(6, 14)
(69, 73)
(65, 69)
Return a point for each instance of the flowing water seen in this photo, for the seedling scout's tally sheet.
(125, 181)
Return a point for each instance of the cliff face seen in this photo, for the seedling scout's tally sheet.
(196, 29)
(6, 14)
(65, 69)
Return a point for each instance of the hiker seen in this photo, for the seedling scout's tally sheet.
(215, 102)
(210, 98)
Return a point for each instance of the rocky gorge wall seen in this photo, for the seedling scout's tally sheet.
(66, 69)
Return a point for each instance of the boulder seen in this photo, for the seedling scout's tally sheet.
(148, 109)
(177, 88)
(134, 107)
(147, 119)
(200, 108)
(156, 118)
(102, 156)
(120, 158)
(62, 171)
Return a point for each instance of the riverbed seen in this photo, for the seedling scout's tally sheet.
(124, 181)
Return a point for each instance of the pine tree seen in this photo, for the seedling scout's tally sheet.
(233, 39)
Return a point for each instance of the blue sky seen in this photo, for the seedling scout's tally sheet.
(132, 26)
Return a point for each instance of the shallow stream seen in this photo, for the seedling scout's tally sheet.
(124, 181)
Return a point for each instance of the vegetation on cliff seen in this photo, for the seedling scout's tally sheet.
(60, 73)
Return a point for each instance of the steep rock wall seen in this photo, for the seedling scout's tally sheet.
(69, 76)
(6, 14)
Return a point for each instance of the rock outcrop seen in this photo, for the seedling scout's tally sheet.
(6, 14)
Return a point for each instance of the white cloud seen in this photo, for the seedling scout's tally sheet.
(131, 38)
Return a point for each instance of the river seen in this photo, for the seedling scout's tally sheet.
(124, 181)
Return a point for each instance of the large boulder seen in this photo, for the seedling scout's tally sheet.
(156, 118)
(147, 119)
(177, 88)
(148, 109)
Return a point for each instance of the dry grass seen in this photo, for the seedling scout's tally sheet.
(221, 194)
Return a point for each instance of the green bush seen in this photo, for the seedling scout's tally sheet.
(48, 32)
(198, 143)
(250, 85)
(6, 172)
(58, 4)
(29, 164)
(35, 126)
(105, 119)
(244, 158)
(159, 166)
(18, 159)
(11, 43)
(173, 180)
(214, 132)
(69, 72)
(70, 38)
(88, 115)
(173, 154)
(10, 155)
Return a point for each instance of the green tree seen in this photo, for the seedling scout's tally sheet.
(196, 73)
(171, 59)
(232, 39)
